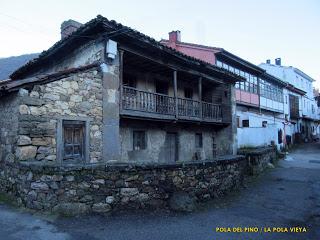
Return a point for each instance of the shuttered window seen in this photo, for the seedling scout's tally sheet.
(73, 140)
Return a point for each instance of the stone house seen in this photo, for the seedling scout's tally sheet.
(107, 93)
(104, 96)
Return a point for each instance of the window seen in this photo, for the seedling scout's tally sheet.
(238, 121)
(245, 123)
(264, 124)
(73, 140)
(139, 140)
(198, 140)
(188, 93)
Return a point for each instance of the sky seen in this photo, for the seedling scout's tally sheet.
(253, 30)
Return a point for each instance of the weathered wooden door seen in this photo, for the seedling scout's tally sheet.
(73, 140)
(172, 147)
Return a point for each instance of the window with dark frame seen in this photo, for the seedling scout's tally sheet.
(264, 123)
(139, 140)
(245, 123)
(73, 140)
(198, 140)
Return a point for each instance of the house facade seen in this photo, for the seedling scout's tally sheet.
(108, 118)
(259, 100)
(301, 108)
(119, 99)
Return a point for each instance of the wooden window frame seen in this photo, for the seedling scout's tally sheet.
(145, 142)
(85, 121)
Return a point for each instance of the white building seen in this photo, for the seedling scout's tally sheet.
(298, 94)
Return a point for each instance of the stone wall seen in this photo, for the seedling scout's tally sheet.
(8, 126)
(101, 189)
(78, 96)
(259, 158)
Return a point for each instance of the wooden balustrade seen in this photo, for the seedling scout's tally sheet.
(149, 102)
(188, 107)
(211, 111)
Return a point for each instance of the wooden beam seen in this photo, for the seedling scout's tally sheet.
(200, 94)
(170, 65)
(121, 76)
(175, 87)
(13, 85)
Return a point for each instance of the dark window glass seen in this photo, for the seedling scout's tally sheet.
(73, 140)
(139, 140)
(264, 123)
(245, 123)
(198, 140)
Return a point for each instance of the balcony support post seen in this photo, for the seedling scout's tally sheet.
(175, 88)
(121, 77)
(200, 96)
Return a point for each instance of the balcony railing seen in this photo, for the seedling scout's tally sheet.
(211, 111)
(161, 104)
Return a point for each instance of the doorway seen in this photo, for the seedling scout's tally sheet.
(171, 147)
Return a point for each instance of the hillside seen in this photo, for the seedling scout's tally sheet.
(10, 64)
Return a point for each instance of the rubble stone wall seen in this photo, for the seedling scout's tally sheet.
(258, 158)
(106, 188)
(40, 109)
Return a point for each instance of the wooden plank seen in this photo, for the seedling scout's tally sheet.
(175, 86)
(16, 84)
(121, 53)
(200, 95)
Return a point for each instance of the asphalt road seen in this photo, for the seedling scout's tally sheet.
(287, 196)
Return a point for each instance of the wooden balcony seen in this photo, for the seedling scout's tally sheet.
(138, 103)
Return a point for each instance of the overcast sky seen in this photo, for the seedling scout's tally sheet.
(254, 30)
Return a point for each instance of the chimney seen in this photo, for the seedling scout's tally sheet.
(68, 27)
(278, 61)
(268, 61)
(174, 36)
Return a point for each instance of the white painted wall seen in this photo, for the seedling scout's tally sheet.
(258, 136)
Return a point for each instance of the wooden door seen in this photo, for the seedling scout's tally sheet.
(73, 141)
(172, 147)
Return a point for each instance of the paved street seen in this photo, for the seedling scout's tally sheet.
(286, 196)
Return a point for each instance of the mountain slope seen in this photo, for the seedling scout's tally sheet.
(10, 64)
